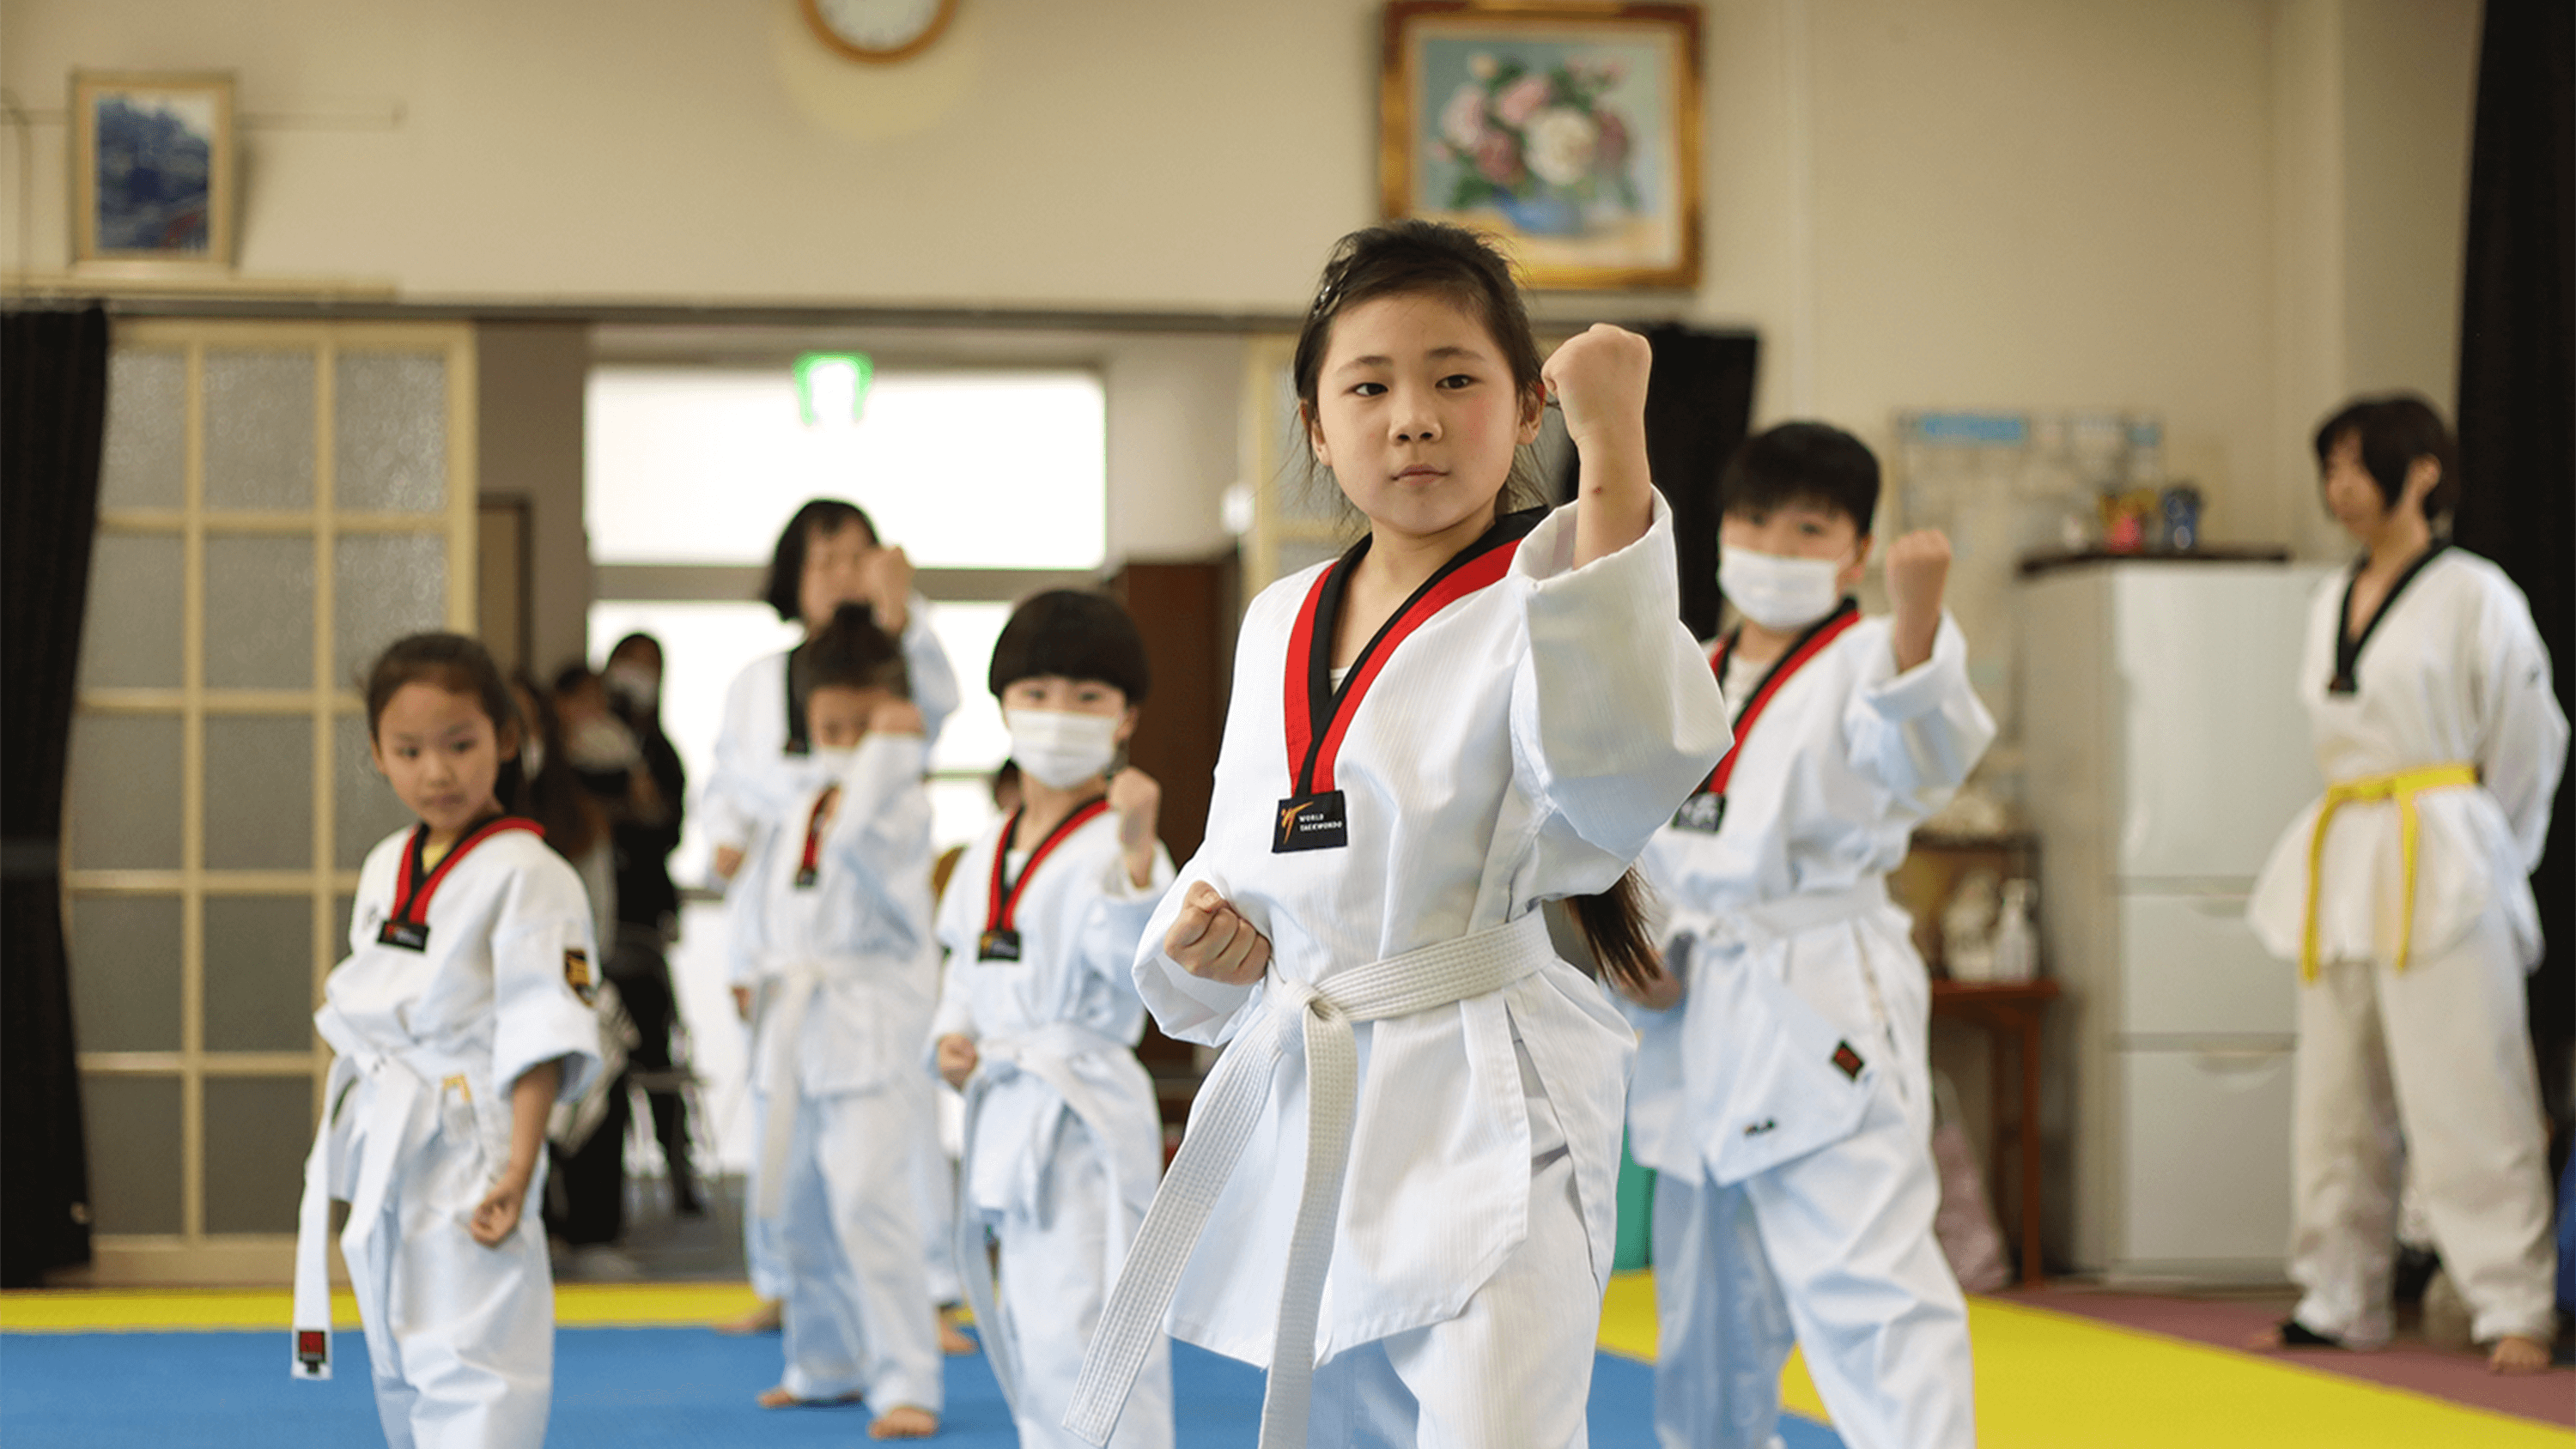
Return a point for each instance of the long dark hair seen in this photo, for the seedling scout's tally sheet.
(787, 560)
(459, 665)
(1405, 258)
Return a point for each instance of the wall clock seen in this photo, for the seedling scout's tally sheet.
(878, 30)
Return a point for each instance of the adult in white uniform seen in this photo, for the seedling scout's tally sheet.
(2405, 896)
(827, 556)
(1420, 1198)
(1039, 1019)
(1785, 1100)
(833, 936)
(460, 1017)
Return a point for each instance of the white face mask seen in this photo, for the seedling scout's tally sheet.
(1060, 748)
(1779, 593)
(638, 688)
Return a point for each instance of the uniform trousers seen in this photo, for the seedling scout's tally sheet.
(1514, 1369)
(1832, 1250)
(2436, 1057)
(1057, 1263)
(858, 1317)
(462, 1345)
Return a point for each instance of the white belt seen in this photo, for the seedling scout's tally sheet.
(399, 1119)
(1046, 1053)
(1787, 916)
(782, 1030)
(1223, 1119)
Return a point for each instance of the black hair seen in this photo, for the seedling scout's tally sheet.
(2394, 429)
(787, 561)
(850, 652)
(1802, 462)
(1410, 257)
(552, 795)
(1074, 633)
(649, 642)
(459, 665)
(573, 676)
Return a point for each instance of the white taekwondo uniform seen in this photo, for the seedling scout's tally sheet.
(761, 774)
(1785, 1102)
(460, 978)
(1519, 744)
(2436, 723)
(833, 932)
(1065, 1137)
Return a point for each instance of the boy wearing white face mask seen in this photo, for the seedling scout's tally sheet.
(1781, 1089)
(832, 936)
(1040, 1016)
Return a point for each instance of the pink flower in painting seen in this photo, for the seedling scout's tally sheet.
(1498, 157)
(1562, 143)
(1462, 121)
(1612, 147)
(1521, 100)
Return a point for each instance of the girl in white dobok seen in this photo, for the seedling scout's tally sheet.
(2404, 895)
(463, 1014)
(1404, 1161)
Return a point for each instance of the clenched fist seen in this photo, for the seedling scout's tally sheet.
(1918, 565)
(957, 1058)
(1138, 800)
(1212, 941)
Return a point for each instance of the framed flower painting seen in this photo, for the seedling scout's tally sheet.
(1569, 130)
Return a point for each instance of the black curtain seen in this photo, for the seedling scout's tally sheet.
(1699, 403)
(2517, 404)
(53, 412)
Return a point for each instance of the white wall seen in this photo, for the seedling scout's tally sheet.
(2229, 211)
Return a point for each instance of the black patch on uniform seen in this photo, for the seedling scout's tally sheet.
(407, 935)
(999, 944)
(577, 975)
(1848, 1060)
(1311, 822)
(1702, 812)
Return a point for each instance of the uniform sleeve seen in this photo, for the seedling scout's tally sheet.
(543, 959)
(724, 807)
(880, 832)
(955, 1015)
(1114, 925)
(2521, 732)
(933, 679)
(1615, 714)
(1919, 733)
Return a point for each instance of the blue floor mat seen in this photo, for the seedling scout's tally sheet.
(615, 1388)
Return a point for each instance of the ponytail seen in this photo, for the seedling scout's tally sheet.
(1613, 924)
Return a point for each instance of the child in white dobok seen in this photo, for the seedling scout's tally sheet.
(1782, 1094)
(2405, 897)
(1040, 1017)
(462, 1015)
(1477, 709)
(828, 557)
(833, 937)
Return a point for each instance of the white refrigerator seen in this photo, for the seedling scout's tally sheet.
(2165, 750)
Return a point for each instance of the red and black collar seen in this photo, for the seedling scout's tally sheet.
(415, 883)
(1805, 647)
(1318, 713)
(1001, 939)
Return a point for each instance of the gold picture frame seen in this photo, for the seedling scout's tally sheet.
(1571, 131)
(152, 171)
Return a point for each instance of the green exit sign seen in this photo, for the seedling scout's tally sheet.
(831, 372)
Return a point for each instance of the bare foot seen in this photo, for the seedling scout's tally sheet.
(953, 1343)
(776, 1396)
(2515, 1354)
(2289, 1333)
(903, 1421)
(762, 1318)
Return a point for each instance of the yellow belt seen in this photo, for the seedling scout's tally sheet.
(2401, 786)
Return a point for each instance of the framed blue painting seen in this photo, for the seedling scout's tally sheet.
(152, 169)
(1571, 131)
